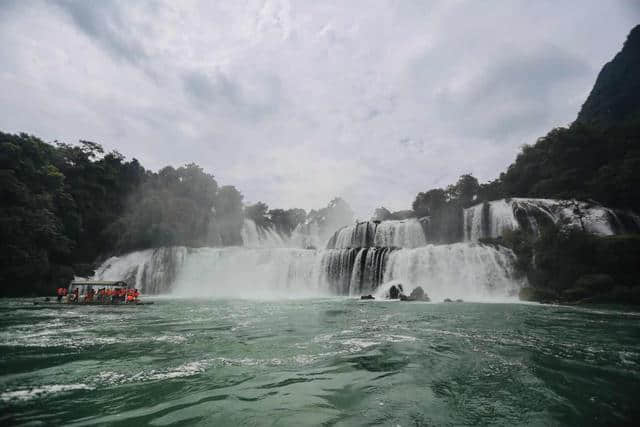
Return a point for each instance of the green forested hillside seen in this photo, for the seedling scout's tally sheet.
(64, 205)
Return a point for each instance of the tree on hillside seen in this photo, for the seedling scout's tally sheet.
(464, 191)
(285, 221)
(429, 202)
(229, 215)
(258, 213)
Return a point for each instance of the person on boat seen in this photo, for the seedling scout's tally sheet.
(130, 296)
(136, 294)
(60, 294)
(74, 295)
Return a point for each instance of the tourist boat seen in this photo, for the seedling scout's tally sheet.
(88, 293)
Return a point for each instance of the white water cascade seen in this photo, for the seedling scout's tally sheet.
(250, 272)
(493, 218)
(153, 271)
(406, 233)
(254, 236)
(460, 270)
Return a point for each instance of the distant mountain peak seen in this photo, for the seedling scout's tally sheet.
(616, 94)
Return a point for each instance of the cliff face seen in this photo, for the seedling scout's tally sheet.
(615, 96)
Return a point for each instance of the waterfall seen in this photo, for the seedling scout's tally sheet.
(152, 271)
(249, 272)
(492, 219)
(362, 258)
(402, 233)
(353, 271)
(459, 270)
(488, 220)
(254, 236)
(462, 269)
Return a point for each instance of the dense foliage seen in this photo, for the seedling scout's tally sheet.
(283, 221)
(64, 206)
(55, 201)
(573, 265)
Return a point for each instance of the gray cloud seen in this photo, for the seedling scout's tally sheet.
(297, 102)
(521, 88)
(219, 90)
(104, 22)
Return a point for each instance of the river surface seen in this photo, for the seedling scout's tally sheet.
(332, 361)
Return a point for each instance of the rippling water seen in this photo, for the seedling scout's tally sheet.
(310, 362)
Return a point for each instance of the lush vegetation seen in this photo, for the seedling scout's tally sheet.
(570, 265)
(65, 206)
(283, 221)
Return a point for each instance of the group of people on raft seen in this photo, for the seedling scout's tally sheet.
(102, 296)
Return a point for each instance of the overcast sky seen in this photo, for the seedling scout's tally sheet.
(295, 102)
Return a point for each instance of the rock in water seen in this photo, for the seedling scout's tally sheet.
(447, 300)
(367, 297)
(418, 294)
(395, 291)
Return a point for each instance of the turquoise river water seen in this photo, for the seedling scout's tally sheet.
(336, 361)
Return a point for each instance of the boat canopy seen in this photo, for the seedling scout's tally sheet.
(87, 285)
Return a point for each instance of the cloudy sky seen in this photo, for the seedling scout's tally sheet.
(295, 102)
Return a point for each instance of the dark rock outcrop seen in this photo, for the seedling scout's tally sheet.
(417, 294)
(395, 291)
(616, 93)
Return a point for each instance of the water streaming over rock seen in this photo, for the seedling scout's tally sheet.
(361, 258)
(459, 270)
(254, 236)
(153, 271)
(492, 219)
(250, 272)
(407, 233)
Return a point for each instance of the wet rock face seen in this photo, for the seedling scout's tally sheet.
(395, 291)
(418, 293)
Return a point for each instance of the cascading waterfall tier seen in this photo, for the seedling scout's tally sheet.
(362, 257)
(152, 271)
(459, 270)
(254, 236)
(353, 271)
(407, 233)
(462, 269)
(250, 272)
(492, 219)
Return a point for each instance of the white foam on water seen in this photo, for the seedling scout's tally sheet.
(41, 391)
